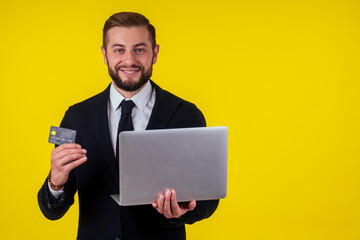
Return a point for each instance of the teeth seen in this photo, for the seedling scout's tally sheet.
(130, 72)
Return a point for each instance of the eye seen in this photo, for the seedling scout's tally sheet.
(119, 50)
(140, 50)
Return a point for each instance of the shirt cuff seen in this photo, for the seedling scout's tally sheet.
(56, 194)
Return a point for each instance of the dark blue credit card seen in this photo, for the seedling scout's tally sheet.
(60, 135)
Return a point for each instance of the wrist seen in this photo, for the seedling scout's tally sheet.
(53, 186)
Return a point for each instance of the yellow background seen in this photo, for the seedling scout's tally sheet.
(282, 75)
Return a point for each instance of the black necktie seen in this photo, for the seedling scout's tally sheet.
(125, 123)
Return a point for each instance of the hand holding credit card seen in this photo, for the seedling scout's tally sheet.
(60, 135)
(64, 157)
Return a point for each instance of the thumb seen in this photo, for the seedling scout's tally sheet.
(192, 205)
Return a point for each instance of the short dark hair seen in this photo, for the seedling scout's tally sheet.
(128, 19)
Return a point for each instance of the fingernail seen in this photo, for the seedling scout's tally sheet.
(167, 193)
(83, 150)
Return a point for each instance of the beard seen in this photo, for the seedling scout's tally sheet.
(130, 85)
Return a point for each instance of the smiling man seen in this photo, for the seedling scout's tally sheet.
(90, 166)
(129, 54)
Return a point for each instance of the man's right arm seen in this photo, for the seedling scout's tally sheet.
(64, 159)
(54, 208)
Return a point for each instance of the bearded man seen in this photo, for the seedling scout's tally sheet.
(90, 166)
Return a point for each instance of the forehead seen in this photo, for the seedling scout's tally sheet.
(128, 36)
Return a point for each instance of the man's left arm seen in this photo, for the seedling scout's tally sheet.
(187, 212)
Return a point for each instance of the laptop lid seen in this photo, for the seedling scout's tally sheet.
(193, 161)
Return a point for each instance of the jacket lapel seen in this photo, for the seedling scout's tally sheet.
(99, 120)
(164, 108)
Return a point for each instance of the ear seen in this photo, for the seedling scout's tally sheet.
(104, 55)
(156, 52)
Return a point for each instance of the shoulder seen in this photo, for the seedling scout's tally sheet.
(170, 98)
(184, 113)
(80, 112)
(97, 100)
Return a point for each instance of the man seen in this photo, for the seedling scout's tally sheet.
(89, 166)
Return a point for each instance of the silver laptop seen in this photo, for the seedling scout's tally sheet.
(193, 161)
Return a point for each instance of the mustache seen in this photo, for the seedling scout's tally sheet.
(117, 68)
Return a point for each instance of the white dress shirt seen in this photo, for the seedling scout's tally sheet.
(144, 104)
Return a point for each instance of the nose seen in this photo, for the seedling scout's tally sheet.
(129, 58)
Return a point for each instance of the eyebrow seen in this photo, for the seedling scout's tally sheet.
(117, 45)
(121, 45)
(140, 44)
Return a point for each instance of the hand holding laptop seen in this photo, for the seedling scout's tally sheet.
(167, 205)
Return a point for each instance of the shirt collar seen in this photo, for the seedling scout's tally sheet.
(140, 99)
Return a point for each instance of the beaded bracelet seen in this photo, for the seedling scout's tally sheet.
(53, 186)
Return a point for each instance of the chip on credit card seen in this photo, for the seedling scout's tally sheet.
(60, 135)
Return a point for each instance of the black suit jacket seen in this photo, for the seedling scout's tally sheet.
(100, 217)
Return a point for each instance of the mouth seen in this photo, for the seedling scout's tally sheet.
(129, 71)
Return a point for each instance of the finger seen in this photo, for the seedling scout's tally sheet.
(65, 146)
(175, 208)
(160, 203)
(68, 151)
(167, 208)
(70, 166)
(59, 175)
(69, 159)
(192, 205)
(67, 155)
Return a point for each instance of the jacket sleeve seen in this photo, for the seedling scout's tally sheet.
(203, 209)
(51, 207)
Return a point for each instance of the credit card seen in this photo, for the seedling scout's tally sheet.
(60, 135)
